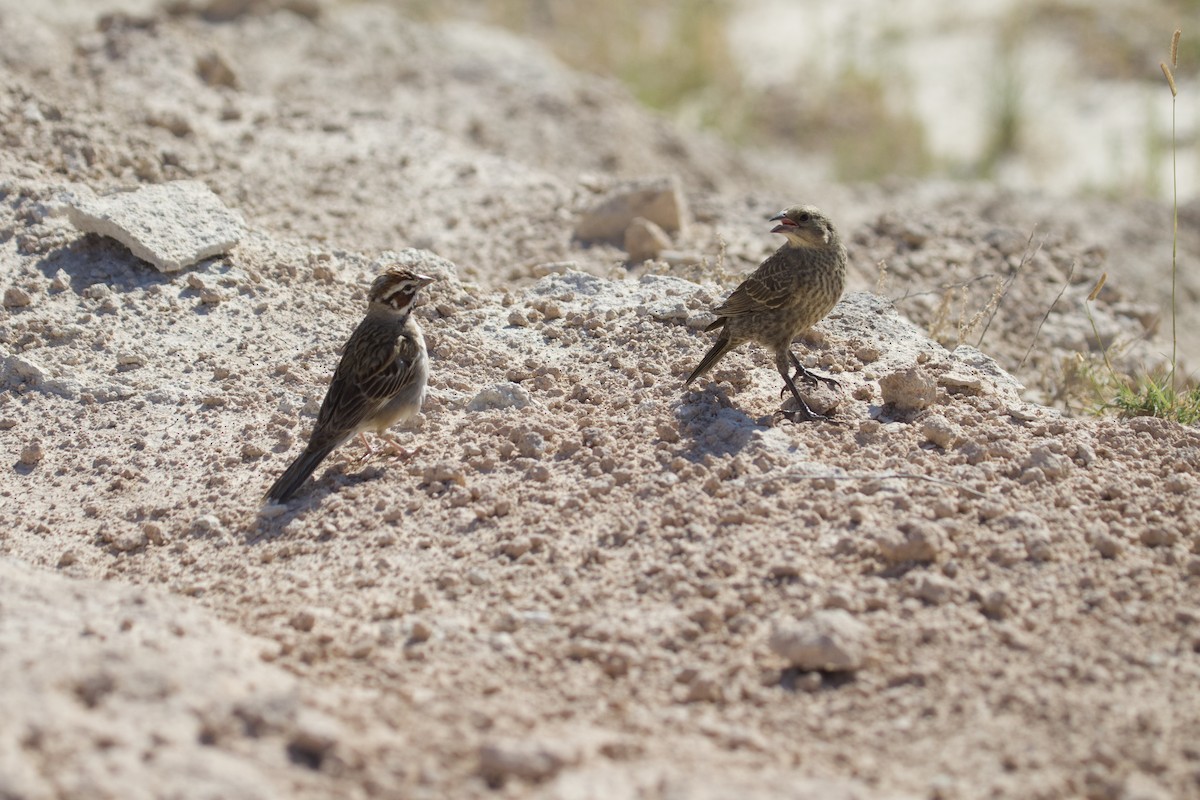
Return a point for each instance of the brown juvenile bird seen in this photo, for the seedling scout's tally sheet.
(379, 381)
(789, 292)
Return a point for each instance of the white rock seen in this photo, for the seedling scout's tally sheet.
(500, 395)
(16, 297)
(937, 429)
(909, 390)
(660, 202)
(20, 368)
(531, 761)
(644, 239)
(171, 225)
(993, 375)
(830, 640)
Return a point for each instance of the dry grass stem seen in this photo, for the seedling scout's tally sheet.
(1046, 316)
(1170, 78)
(1026, 257)
(964, 329)
(942, 314)
(1095, 292)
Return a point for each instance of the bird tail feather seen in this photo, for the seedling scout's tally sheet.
(720, 348)
(298, 472)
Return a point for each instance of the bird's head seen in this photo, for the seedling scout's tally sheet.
(396, 288)
(804, 226)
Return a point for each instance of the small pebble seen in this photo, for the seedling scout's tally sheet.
(530, 761)
(909, 390)
(16, 297)
(32, 453)
(940, 431)
(831, 640)
(303, 621)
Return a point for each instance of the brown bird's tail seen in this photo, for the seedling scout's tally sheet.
(298, 472)
(722, 346)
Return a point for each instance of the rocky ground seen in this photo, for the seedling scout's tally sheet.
(586, 582)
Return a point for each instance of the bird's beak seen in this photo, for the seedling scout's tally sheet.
(785, 224)
(426, 279)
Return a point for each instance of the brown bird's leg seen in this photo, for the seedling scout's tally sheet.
(804, 413)
(810, 376)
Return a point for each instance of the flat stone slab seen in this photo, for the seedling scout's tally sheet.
(171, 225)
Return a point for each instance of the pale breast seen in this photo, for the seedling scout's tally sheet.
(407, 402)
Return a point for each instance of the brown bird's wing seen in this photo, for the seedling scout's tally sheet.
(766, 288)
(372, 371)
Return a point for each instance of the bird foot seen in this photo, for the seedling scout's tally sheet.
(397, 450)
(812, 378)
(809, 380)
(808, 376)
(391, 447)
(804, 414)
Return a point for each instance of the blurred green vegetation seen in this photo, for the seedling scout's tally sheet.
(674, 56)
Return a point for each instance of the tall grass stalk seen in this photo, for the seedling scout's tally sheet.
(1175, 200)
(1158, 394)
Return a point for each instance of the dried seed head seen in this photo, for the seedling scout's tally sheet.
(1099, 285)
(1170, 78)
(1175, 48)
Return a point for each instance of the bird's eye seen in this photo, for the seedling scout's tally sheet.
(804, 217)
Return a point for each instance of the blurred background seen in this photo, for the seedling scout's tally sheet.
(1064, 96)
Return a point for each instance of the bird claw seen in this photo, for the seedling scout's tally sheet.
(813, 378)
(396, 450)
(825, 379)
(804, 414)
(390, 446)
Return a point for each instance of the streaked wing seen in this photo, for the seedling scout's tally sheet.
(386, 382)
(767, 287)
(372, 370)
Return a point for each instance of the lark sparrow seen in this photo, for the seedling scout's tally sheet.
(379, 381)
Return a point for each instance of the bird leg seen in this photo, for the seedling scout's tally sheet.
(371, 452)
(391, 447)
(809, 376)
(804, 413)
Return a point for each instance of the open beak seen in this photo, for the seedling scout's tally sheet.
(785, 224)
